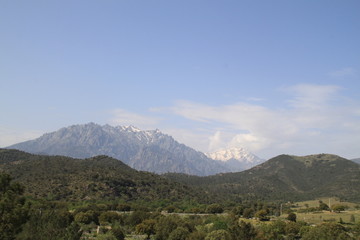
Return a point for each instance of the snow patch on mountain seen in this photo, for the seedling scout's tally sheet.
(238, 159)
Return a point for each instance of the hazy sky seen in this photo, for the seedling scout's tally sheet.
(271, 76)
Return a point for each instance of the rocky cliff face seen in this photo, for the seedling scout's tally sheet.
(143, 150)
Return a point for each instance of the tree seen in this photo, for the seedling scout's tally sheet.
(214, 208)
(262, 215)
(218, 235)
(118, 233)
(106, 236)
(109, 217)
(323, 206)
(13, 210)
(242, 231)
(165, 225)
(198, 235)
(338, 208)
(291, 217)
(248, 213)
(327, 231)
(179, 233)
(146, 227)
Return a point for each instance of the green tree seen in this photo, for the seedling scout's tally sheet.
(242, 231)
(214, 208)
(262, 215)
(13, 210)
(338, 208)
(179, 233)
(165, 225)
(118, 233)
(323, 206)
(248, 213)
(198, 235)
(291, 217)
(106, 236)
(146, 227)
(327, 231)
(110, 217)
(218, 235)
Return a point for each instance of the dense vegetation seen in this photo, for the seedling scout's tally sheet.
(55, 197)
(285, 178)
(102, 177)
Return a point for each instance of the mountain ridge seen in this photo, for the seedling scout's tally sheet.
(149, 150)
(286, 177)
(236, 158)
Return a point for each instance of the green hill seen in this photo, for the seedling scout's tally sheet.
(101, 177)
(286, 178)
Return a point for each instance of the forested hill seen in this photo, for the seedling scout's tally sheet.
(286, 178)
(101, 177)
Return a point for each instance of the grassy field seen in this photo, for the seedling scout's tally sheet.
(318, 217)
(328, 201)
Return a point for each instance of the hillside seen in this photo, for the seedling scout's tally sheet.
(286, 178)
(356, 160)
(149, 150)
(101, 177)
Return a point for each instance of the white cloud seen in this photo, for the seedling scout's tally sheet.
(314, 119)
(124, 118)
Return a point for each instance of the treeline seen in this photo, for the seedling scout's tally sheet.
(28, 219)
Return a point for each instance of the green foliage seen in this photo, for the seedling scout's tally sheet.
(13, 210)
(86, 217)
(327, 231)
(106, 236)
(262, 215)
(97, 178)
(50, 222)
(180, 233)
(214, 208)
(146, 227)
(110, 217)
(118, 233)
(198, 235)
(248, 213)
(338, 207)
(323, 206)
(218, 235)
(291, 217)
(242, 231)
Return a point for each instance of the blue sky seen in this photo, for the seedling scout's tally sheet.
(271, 76)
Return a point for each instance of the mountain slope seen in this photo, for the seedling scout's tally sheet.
(286, 178)
(143, 150)
(237, 159)
(101, 177)
(356, 160)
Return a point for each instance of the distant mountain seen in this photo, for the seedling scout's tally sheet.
(237, 159)
(143, 150)
(286, 178)
(356, 160)
(97, 178)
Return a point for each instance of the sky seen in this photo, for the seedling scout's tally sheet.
(274, 77)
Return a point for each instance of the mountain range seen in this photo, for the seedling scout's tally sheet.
(150, 150)
(283, 178)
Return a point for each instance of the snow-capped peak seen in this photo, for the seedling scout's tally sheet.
(236, 158)
(236, 153)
